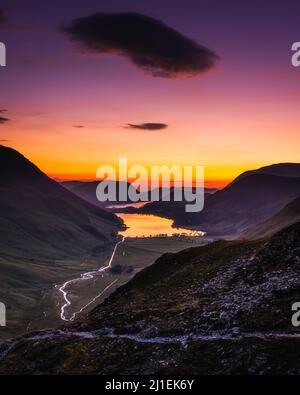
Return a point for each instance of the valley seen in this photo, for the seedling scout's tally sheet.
(223, 308)
(43, 304)
(149, 191)
(112, 281)
(132, 255)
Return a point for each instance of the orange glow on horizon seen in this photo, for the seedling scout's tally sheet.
(218, 183)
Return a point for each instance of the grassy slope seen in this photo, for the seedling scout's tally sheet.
(286, 217)
(215, 288)
(43, 227)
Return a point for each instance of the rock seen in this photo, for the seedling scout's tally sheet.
(235, 332)
(151, 331)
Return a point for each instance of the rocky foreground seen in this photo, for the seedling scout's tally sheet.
(224, 308)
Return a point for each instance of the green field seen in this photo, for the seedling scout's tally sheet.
(35, 303)
(27, 289)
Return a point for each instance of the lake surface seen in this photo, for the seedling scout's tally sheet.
(141, 225)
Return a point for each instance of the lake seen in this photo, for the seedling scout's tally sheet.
(142, 225)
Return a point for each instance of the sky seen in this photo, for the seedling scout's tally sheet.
(70, 108)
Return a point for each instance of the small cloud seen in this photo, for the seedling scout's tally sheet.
(2, 111)
(78, 126)
(148, 126)
(38, 114)
(3, 120)
(4, 141)
(151, 45)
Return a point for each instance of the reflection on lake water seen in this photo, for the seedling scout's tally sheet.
(140, 225)
(125, 205)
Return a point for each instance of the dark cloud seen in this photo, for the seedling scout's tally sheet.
(79, 126)
(150, 44)
(148, 126)
(4, 141)
(3, 120)
(2, 110)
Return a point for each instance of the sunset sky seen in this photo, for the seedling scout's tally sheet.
(68, 108)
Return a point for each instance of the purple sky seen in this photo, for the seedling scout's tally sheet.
(253, 93)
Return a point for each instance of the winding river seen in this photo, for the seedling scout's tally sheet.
(138, 225)
(83, 277)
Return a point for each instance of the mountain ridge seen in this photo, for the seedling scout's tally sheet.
(46, 232)
(246, 202)
(287, 169)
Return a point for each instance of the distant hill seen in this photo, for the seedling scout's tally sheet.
(169, 209)
(247, 201)
(251, 198)
(38, 217)
(71, 184)
(87, 191)
(279, 169)
(289, 215)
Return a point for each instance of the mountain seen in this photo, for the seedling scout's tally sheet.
(247, 201)
(167, 209)
(46, 232)
(279, 169)
(169, 192)
(224, 308)
(251, 198)
(289, 215)
(87, 191)
(41, 218)
(71, 184)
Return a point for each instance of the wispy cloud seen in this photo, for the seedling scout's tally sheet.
(3, 120)
(150, 44)
(147, 126)
(78, 126)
